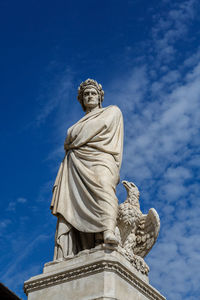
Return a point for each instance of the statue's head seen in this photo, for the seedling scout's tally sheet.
(90, 83)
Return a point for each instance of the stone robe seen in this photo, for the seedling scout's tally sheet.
(84, 190)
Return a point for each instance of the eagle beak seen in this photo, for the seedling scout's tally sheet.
(124, 182)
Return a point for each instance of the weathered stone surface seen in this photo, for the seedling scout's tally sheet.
(101, 273)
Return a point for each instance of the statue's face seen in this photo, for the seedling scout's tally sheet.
(90, 98)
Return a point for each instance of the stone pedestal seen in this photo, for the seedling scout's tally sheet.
(96, 274)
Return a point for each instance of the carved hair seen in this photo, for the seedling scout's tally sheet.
(90, 83)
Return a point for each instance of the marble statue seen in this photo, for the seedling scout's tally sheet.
(84, 198)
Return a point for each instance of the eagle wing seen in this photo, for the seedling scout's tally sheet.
(146, 233)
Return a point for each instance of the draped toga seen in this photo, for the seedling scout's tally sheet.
(84, 189)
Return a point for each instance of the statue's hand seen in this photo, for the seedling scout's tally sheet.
(67, 143)
(66, 146)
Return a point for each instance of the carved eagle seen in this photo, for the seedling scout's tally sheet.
(138, 232)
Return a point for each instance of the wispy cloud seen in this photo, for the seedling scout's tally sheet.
(22, 254)
(171, 27)
(13, 204)
(21, 200)
(4, 223)
(56, 92)
(13, 274)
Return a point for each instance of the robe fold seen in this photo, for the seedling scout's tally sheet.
(84, 189)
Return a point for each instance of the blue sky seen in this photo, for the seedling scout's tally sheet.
(146, 54)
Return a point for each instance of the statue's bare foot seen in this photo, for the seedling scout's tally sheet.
(109, 237)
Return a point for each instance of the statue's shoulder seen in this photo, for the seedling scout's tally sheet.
(114, 109)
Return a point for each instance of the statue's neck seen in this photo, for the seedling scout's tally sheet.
(88, 110)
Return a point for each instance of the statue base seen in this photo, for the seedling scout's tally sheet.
(96, 274)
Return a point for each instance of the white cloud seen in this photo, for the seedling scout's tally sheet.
(21, 200)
